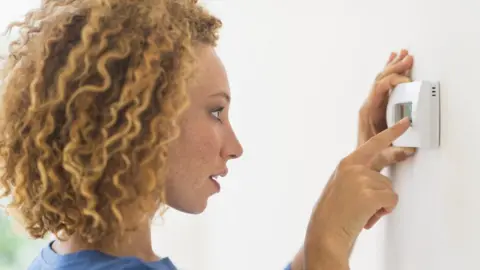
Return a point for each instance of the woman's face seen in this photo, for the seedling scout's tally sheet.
(207, 140)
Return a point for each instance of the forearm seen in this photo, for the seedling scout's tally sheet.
(324, 259)
(324, 251)
(319, 258)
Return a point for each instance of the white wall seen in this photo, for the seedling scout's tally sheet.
(436, 223)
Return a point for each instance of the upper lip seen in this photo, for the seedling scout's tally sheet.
(223, 173)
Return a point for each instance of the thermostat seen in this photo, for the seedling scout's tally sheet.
(420, 101)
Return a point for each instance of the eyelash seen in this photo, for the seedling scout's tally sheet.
(217, 110)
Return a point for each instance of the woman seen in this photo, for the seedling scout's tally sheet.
(114, 109)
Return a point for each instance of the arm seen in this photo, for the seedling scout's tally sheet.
(323, 249)
(323, 260)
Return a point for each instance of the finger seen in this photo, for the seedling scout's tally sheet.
(403, 53)
(401, 56)
(391, 60)
(408, 73)
(380, 92)
(392, 57)
(398, 67)
(375, 218)
(370, 149)
(390, 156)
(386, 201)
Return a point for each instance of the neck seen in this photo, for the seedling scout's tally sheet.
(137, 243)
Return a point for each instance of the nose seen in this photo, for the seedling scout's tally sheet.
(232, 148)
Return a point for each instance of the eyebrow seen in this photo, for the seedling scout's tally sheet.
(222, 94)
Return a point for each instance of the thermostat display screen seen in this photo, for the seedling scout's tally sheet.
(420, 102)
(404, 110)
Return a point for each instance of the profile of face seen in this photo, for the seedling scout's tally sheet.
(198, 158)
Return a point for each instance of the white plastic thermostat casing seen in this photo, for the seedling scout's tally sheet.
(419, 100)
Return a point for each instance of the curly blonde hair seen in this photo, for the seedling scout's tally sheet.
(92, 91)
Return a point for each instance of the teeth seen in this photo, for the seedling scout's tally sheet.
(214, 177)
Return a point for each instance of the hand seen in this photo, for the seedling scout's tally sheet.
(353, 196)
(373, 112)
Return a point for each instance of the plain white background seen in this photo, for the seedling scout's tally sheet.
(299, 70)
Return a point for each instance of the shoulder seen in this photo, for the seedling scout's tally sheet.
(94, 260)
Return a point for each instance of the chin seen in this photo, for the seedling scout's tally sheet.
(191, 209)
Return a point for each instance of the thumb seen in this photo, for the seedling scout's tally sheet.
(390, 156)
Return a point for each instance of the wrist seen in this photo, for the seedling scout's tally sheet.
(328, 253)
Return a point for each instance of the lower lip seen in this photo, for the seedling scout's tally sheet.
(217, 185)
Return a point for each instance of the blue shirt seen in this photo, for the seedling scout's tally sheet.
(95, 260)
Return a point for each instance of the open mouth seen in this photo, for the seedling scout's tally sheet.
(214, 178)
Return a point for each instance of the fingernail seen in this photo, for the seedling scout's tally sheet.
(406, 119)
(410, 152)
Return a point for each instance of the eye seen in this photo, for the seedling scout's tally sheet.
(216, 112)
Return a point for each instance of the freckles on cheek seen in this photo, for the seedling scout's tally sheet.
(199, 139)
(203, 146)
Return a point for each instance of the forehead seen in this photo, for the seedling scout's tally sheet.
(210, 76)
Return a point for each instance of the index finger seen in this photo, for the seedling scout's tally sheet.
(382, 140)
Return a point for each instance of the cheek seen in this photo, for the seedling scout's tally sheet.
(201, 145)
(195, 153)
